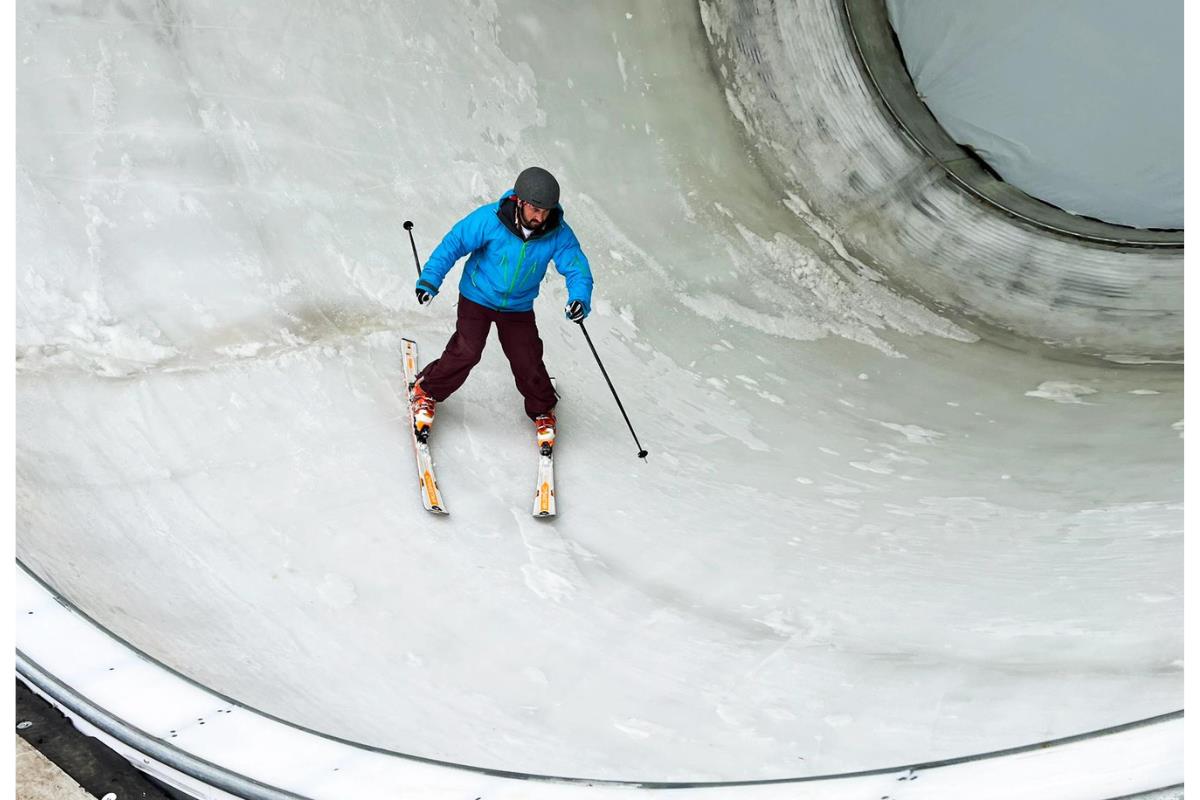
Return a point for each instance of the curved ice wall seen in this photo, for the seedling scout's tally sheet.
(795, 84)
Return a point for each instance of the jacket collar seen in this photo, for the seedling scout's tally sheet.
(507, 212)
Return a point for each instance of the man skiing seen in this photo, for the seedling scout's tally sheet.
(511, 243)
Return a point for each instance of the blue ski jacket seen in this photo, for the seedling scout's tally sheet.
(505, 271)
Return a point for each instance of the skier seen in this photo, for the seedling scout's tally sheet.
(511, 243)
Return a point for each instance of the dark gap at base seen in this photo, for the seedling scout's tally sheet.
(93, 766)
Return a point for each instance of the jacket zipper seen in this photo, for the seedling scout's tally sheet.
(516, 272)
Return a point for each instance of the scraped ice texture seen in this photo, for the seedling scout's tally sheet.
(814, 571)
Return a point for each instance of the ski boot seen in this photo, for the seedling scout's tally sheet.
(545, 432)
(423, 410)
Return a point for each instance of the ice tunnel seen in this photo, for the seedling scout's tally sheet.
(912, 520)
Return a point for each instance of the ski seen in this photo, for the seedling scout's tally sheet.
(543, 498)
(543, 494)
(431, 496)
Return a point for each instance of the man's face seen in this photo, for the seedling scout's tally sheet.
(532, 217)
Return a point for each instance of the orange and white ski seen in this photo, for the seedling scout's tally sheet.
(543, 495)
(431, 496)
(543, 498)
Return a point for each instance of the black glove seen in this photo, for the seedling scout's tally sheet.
(423, 296)
(575, 311)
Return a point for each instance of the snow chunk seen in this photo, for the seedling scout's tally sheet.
(248, 350)
(1061, 392)
(913, 433)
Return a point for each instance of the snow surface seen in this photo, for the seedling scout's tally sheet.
(814, 572)
(209, 746)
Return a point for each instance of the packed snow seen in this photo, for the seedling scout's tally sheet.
(866, 533)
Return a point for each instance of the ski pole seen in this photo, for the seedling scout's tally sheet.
(641, 450)
(413, 242)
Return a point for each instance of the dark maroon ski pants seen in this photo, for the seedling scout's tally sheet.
(518, 338)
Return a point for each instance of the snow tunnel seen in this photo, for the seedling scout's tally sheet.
(911, 524)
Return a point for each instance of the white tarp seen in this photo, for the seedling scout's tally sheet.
(1076, 102)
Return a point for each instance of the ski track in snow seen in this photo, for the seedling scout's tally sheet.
(551, 573)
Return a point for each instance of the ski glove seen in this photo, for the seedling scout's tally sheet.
(575, 311)
(423, 296)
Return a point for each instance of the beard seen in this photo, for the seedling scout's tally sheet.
(533, 226)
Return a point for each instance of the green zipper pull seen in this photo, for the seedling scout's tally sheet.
(516, 272)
